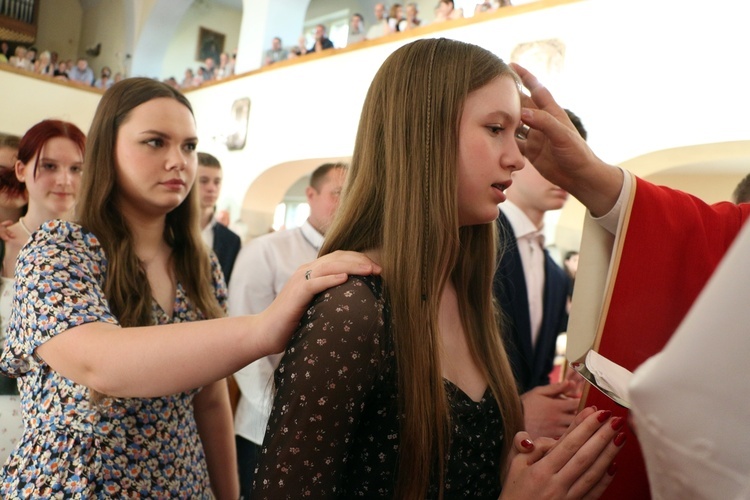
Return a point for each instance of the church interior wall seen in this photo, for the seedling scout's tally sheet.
(637, 90)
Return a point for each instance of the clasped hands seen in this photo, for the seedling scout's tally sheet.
(578, 465)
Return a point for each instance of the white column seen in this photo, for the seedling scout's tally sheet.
(160, 23)
(262, 20)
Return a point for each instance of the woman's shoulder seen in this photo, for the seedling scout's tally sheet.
(348, 321)
(358, 295)
(361, 286)
(55, 236)
(64, 230)
(358, 301)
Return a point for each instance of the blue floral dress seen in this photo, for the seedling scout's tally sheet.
(126, 447)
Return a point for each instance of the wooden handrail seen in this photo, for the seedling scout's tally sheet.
(49, 79)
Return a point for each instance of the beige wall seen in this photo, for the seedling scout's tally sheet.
(646, 100)
(36, 98)
(66, 28)
(182, 48)
(106, 23)
(117, 24)
(709, 171)
(59, 27)
(635, 95)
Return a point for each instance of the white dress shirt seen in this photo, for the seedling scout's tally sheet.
(207, 233)
(530, 241)
(377, 30)
(612, 220)
(262, 268)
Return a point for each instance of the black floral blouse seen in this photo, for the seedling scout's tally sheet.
(334, 428)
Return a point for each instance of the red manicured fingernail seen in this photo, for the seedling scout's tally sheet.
(619, 439)
(617, 423)
(612, 469)
(526, 443)
(604, 415)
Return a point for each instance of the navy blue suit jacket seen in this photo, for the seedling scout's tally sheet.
(531, 367)
(226, 247)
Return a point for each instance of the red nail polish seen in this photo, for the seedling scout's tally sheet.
(526, 443)
(604, 415)
(619, 439)
(617, 423)
(612, 469)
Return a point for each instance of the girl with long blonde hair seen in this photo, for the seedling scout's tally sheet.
(399, 386)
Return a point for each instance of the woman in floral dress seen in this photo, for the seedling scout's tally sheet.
(122, 388)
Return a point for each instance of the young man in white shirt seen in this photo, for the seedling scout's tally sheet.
(263, 267)
(223, 241)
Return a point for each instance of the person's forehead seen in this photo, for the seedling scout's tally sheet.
(205, 171)
(163, 114)
(334, 177)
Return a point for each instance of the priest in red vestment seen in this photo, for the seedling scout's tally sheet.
(668, 245)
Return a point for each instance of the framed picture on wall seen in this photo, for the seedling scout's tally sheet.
(210, 44)
(240, 115)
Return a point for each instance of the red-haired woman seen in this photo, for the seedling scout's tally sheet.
(49, 166)
(47, 173)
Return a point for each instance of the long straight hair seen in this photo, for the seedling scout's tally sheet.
(401, 198)
(126, 286)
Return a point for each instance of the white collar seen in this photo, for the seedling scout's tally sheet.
(519, 221)
(311, 235)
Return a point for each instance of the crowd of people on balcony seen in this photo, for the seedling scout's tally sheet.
(210, 70)
(48, 63)
(388, 20)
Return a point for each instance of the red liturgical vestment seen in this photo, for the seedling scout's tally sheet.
(667, 247)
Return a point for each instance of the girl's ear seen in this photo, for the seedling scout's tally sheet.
(20, 171)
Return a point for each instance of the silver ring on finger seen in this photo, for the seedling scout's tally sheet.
(523, 132)
(308, 273)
